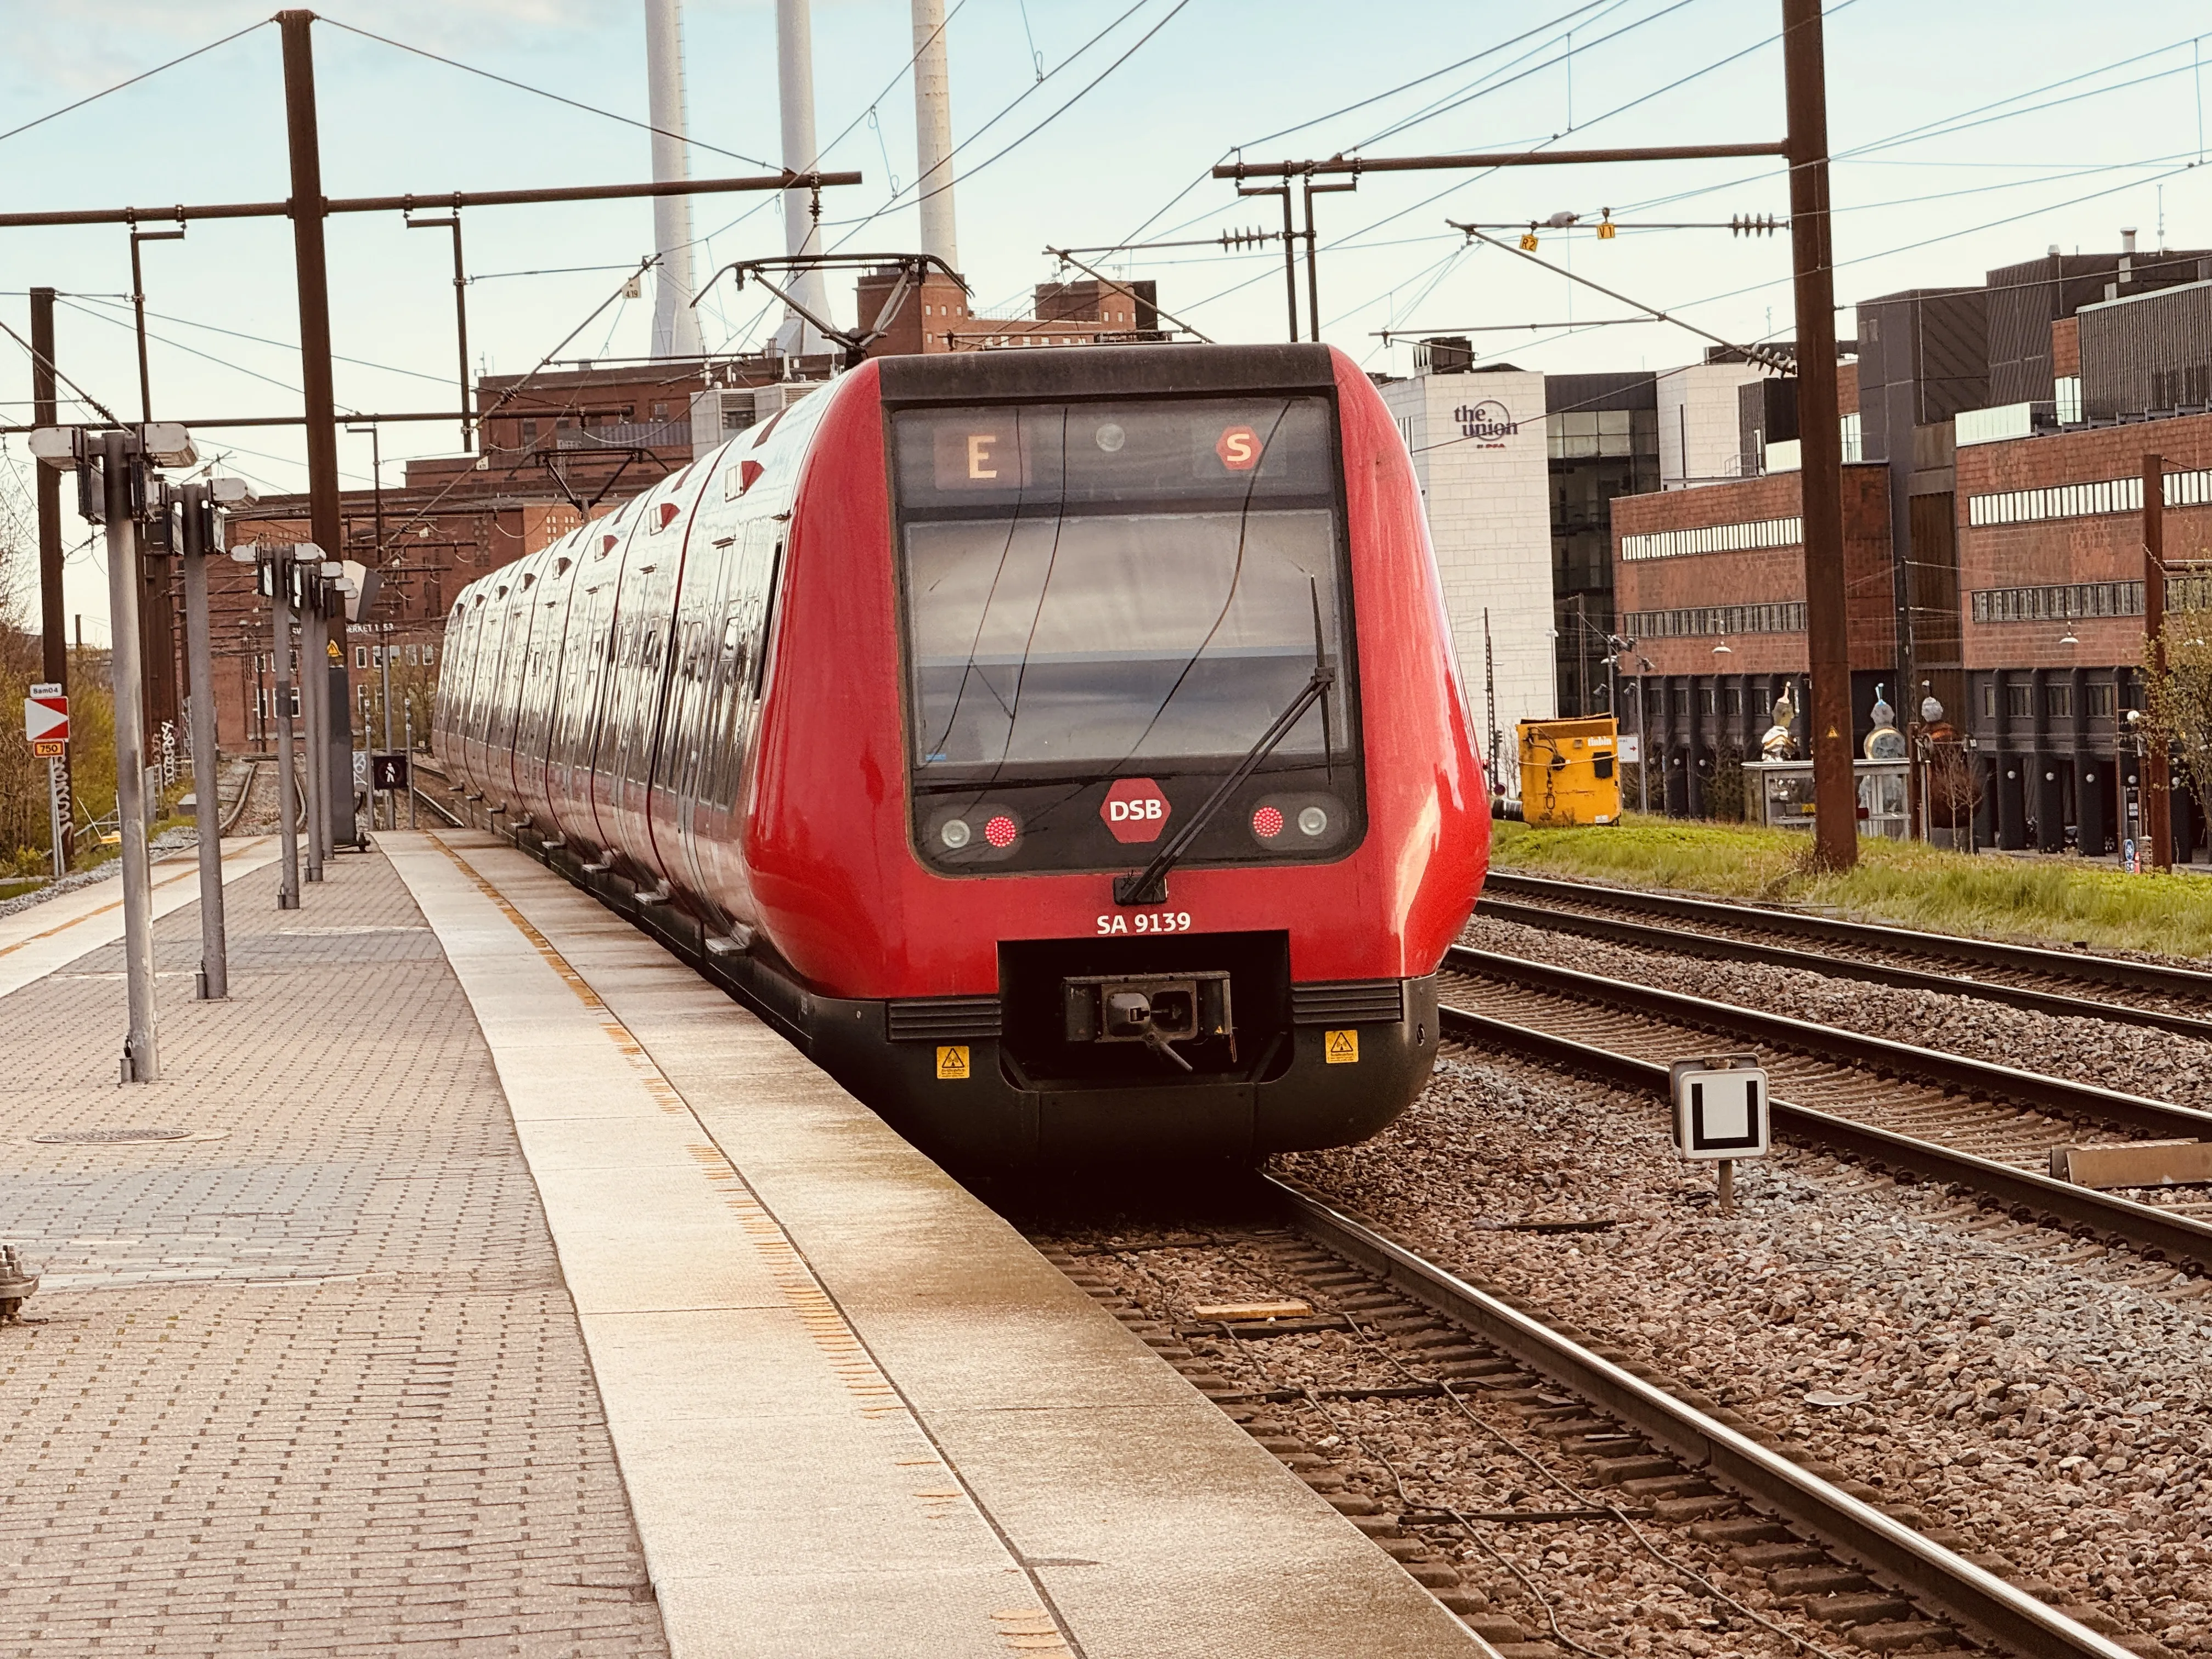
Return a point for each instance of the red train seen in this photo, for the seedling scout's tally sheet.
(1062, 747)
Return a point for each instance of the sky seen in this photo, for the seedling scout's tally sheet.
(1967, 134)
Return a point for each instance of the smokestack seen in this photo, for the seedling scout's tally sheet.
(933, 128)
(794, 56)
(675, 325)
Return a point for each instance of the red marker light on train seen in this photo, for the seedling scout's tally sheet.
(1000, 831)
(1267, 822)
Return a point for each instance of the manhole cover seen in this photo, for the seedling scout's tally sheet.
(101, 1137)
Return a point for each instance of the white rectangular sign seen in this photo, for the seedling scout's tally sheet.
(1721, 1110)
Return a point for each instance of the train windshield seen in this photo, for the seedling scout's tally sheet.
(1097, 587)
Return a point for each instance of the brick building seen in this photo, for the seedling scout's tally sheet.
(1993, 549)
(1710, 587)
(556, 446)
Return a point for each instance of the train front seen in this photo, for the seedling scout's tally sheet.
(1187, 807)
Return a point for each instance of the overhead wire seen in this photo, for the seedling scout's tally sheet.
(258, 339)
(143, 75)
(852, 226)
(541, 92)
(1268, 138)
(1422, 116)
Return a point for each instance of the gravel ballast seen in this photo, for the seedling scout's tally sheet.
(2136, 1059)
(2045, 1399)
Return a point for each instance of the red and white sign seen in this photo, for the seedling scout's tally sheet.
(45, 714)
(1239, 448)
(1134, 810)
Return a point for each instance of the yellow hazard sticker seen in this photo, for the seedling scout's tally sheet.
(1343, 1048)
(952, 1064)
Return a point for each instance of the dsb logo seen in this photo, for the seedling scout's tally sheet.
(1135, 810)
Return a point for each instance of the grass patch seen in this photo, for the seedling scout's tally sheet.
(2035, 901)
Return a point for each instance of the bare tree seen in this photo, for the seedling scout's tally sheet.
(2179, 702)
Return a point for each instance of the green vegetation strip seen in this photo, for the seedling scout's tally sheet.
(2044, 900)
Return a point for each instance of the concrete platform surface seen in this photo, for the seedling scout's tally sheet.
(309, 1382)
(40, 938)
(855, 1412)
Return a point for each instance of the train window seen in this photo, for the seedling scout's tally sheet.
(1106, 638)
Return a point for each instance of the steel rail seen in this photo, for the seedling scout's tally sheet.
(2059, 1096)
(2153, 1232)
(1829, 930)
(1980, 1603)
(1619, 931)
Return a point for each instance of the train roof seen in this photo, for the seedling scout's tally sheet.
(1104, 372)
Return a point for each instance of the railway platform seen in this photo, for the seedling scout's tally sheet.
(479, 1280)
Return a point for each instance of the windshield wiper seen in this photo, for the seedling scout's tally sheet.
(1150, 884)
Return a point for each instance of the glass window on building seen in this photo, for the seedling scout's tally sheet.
(1989, 701)
(2058, 700)
(2098, 696)
(2016, 702)
(1736, 700)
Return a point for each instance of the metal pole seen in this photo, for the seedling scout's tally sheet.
(1313, 251)
(142, 1060)
(1835, 794)
(309, 209)
(2157, 773)
(288, 790)
(314, 711)
(411, 767)
(207, 787)
(53, 642)
(1642, 752)
(55, 815)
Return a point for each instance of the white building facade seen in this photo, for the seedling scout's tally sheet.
(1700, 438)
(1477, 441)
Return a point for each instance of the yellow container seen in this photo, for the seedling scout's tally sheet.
(1570, 771)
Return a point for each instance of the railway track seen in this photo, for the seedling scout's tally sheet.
(1622, 1453)
(1917, 1112)
(2071, 983)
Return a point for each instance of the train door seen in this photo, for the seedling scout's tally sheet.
(533, 750)
(582, 675)
(618, 667)
(688, 721)
(475, 727)
(513, 665)
(453, 681)
(742, 660)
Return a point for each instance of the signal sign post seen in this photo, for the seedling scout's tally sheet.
(1721, 1114)
(45, 723)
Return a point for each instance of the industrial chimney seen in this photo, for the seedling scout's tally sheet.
(932, 128)
(675, 324)
(794, 56)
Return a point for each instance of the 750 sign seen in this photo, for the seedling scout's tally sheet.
(45, 721)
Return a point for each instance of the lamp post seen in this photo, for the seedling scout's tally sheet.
(1643, 746)
(114, 491)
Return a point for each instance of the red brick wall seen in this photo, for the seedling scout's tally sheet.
(1762, 576)
(2104, 547)
(2065, 348)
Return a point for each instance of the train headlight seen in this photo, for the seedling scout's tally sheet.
(955, 833)
(1110, 437)
(1323, 822)
(1001, 830)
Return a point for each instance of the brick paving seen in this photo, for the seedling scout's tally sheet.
(310, 1381)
